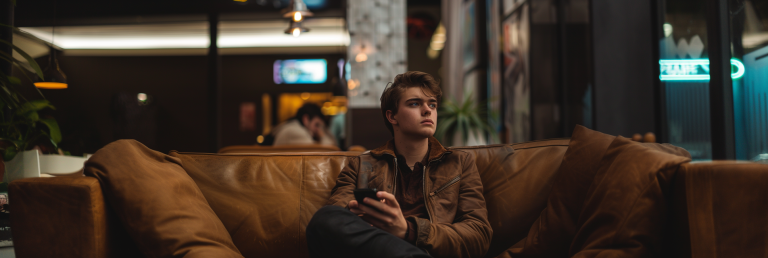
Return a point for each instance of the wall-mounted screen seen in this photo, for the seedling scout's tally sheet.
(300, 71)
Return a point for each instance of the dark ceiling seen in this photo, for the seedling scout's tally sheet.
(101, 12)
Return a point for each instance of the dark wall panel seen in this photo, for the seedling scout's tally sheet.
(623, 71)
(100, 105)
(89, 113)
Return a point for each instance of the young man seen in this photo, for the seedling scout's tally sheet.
(432, 200)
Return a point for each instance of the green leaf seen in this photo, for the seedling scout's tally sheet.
(34, 105)
(26, 56)
(14, 80)
(53, 128)
(443, 126)
(9, 153)
(31, 116)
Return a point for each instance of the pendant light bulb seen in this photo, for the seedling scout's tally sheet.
(297, 16)
(296, 29)
(54, 78)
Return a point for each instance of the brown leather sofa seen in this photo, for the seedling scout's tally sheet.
(247, 149)
(715, 209)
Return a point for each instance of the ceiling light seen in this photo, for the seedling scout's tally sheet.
(297, 10)
(53, 77)
(296, 29)
(297, 16)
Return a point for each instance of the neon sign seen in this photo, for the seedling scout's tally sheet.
(693, 69)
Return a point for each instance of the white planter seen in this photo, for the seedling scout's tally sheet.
(31, 164)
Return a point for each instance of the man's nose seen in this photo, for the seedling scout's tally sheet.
(427, 111)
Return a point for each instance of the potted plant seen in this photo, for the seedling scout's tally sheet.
(463, 123)
(21, 126)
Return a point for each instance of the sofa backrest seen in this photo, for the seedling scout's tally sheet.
(266, 200)
(517, 180)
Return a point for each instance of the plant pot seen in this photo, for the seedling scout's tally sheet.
(32, 164)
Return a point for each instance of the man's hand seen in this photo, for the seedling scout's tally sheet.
(384, 214)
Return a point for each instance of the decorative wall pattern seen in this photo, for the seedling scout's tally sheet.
(377, 50)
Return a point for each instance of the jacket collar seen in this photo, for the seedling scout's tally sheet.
(436, 150)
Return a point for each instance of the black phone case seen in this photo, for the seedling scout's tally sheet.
(360, 194)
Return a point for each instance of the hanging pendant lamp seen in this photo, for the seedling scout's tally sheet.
(54, 78)
(297, 10)
(296, 29)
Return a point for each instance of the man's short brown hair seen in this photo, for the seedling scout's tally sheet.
(390, 98)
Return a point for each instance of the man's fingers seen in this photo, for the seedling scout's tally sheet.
(373, 221)
(357, 211)
(375, 211)
(390, 198)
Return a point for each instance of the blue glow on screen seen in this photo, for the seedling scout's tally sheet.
(300, 71)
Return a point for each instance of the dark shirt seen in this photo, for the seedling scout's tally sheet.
(410, 194)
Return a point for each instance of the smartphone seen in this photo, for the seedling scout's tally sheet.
(360, 194)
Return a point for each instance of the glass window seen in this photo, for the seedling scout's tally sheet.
(749, 70)
(684, 76)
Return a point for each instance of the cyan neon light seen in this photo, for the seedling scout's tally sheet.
(693, 69)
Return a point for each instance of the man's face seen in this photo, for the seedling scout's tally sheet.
(416, 113)
(3, 199)
(315, 125)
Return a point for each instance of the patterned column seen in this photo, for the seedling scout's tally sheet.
(377, 50)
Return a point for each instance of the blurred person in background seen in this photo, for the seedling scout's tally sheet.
(307, 127)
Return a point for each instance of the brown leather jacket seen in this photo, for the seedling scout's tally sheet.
(453, 194)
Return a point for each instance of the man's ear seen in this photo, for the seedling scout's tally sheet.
(305, 120)
(391, 117)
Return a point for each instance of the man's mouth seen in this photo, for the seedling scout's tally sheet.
(427, 121)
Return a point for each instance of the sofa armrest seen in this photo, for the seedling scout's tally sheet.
(725, 206)
(64, 217)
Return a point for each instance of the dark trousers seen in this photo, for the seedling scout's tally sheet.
(337, 232)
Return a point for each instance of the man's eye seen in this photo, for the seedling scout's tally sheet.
(414, 104)
(433, 105)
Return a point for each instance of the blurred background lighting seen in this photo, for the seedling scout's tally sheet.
(194, 35)
(51, 85)
(667, 29)
(260, 139)
(362, 57)
(297, 17)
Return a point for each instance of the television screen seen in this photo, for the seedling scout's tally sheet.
(300, 71)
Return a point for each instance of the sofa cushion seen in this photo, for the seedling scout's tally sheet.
(161, 207)
(516, 182)
(552, 232)
(266, 200)
(626, 205)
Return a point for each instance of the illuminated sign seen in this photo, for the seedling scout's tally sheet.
(693, 69)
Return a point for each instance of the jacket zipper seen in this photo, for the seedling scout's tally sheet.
(424, 183)
(394, 180)
(424, 190)
(449, 184)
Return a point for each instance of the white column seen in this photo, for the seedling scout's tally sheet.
(377, 50)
